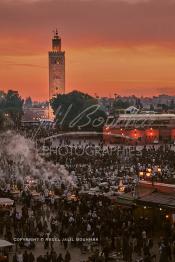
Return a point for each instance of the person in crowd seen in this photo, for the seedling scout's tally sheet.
(60, 258)
(67, 257)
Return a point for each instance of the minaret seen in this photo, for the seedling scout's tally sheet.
(56, 67)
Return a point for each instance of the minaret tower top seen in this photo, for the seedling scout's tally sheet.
(56, 42)
(56, 67)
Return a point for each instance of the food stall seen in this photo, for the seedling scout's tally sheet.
(6, 202)
(5, 205)
(4, 250)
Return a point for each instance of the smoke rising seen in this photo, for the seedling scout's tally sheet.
(19, 159)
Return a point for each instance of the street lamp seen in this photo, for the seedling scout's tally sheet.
(149, 170)
(141, 174)
(148, 174)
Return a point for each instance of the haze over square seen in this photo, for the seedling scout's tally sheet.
(124, 47)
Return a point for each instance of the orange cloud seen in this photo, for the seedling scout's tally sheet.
(112, 46)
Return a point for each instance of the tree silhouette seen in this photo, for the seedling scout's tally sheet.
(78, 111)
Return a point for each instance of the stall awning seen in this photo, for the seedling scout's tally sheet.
(126, 200)
(4, 243)
(158, 199)
(6, 202)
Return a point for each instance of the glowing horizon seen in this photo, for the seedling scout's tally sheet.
(125, 48)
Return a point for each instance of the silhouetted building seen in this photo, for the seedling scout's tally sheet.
(56, 67)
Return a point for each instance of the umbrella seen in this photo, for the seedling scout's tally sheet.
(4, 243)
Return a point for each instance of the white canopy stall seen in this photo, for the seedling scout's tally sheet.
(6, 202)
(4, 243)
(4, 250)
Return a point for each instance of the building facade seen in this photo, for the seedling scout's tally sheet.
(56, 67)
(140, 129)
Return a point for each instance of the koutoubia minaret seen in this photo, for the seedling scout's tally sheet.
(56, 67)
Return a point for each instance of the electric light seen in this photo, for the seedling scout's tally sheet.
(122, 189)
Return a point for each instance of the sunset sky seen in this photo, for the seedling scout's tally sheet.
(112, 46)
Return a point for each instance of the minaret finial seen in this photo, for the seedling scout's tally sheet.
(56, 41)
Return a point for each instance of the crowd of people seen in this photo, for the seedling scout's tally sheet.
(97, 160)
(89, 223)
(58, 219)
